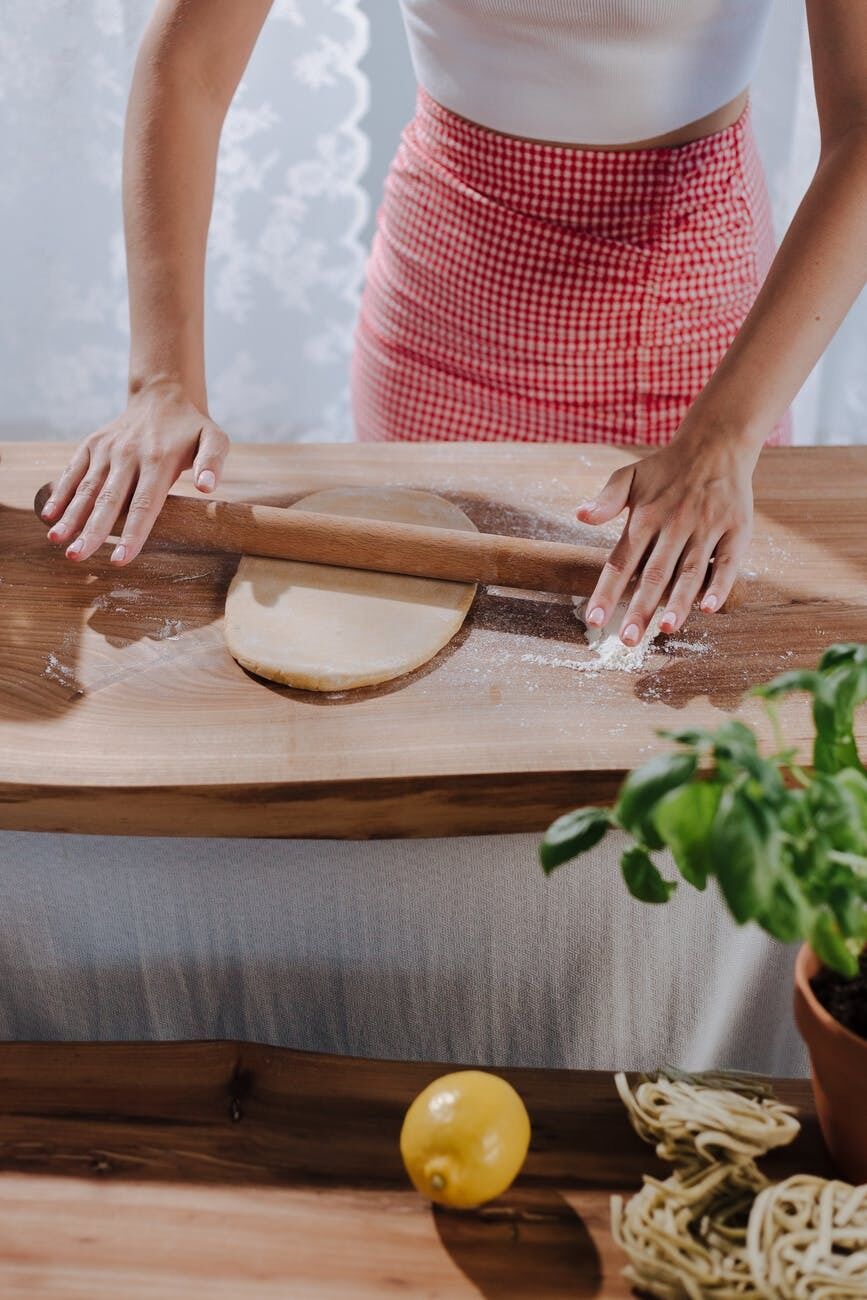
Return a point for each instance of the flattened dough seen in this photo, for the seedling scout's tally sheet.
(322, 628)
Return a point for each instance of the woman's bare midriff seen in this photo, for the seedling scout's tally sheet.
(718, 120)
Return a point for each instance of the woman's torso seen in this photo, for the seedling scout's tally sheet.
(598, 73)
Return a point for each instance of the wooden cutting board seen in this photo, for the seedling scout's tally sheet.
(132, 1171)
(122, 712)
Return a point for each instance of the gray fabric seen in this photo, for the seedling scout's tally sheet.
(455, 950)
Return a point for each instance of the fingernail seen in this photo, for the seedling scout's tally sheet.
(75, 547)
(118, 554)
(206, 480)
(55, 534)
(668, 619)
(709, 604)
(631, 635)
(596, 616)
(48, 508)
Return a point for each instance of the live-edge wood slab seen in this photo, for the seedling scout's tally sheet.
(200, 1170)
(121, 710)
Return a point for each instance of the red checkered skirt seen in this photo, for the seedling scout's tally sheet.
(520, 291)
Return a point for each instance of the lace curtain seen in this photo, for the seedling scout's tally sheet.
(286, 256)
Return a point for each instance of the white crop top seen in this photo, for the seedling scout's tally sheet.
(585, 71)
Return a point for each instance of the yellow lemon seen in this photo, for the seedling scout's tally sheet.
(465, 1138)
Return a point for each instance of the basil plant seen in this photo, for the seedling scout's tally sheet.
(787, 847)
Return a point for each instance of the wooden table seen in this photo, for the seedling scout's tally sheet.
(131, 1171)
(122, 712)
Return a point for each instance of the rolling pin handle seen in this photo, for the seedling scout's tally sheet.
(41, 497)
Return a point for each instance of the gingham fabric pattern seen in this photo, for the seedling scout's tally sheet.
(523, 291)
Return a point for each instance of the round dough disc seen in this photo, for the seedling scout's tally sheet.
(324, 628)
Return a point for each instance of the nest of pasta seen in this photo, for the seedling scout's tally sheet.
(716, 1228)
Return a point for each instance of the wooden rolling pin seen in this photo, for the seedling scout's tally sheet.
(385, 547)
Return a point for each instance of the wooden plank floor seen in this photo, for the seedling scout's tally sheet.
(137, 1171)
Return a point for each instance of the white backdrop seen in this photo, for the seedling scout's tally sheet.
(286, 252)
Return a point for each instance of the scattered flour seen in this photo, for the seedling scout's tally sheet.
(169, 631)
(192, 577)
(552, 661)
(57, 671)
(672, 643)
(605, 641)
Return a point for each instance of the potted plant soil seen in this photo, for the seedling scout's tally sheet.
(788, 849)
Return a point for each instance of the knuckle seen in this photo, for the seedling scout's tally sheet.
(100, 449)
(655, 574)
(692, 570)
(614, 566)
(125, 449)
(143, 504)
(107, 496)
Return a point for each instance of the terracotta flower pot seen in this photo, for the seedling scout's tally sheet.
(839, 1061)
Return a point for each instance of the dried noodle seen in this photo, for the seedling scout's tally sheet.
(807, 1240)
(710, 1116)
(686, 1236)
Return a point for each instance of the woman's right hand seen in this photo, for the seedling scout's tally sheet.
(131, 464)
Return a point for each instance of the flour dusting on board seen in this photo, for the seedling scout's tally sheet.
(63, 674)
(170, 630)
(609, 650)
(555, 661)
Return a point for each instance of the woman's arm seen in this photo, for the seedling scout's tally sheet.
(191, 59)
(693, 500)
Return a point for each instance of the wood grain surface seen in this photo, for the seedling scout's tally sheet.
(122, 712)
(136, 1171)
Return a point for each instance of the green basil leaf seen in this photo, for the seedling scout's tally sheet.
(836, 697)
(642, 877)
(697, 737)
(837, 811)
(794, 817)
(684, 818)
(744, 854)
(644, 787)
(842, 653)
(788, 915)
(849, 911)
(798, 679)
(828, 944)
(735, 738)
(736, 750)
(855, 782)
(571, 834)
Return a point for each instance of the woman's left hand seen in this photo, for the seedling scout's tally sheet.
(689, 503)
